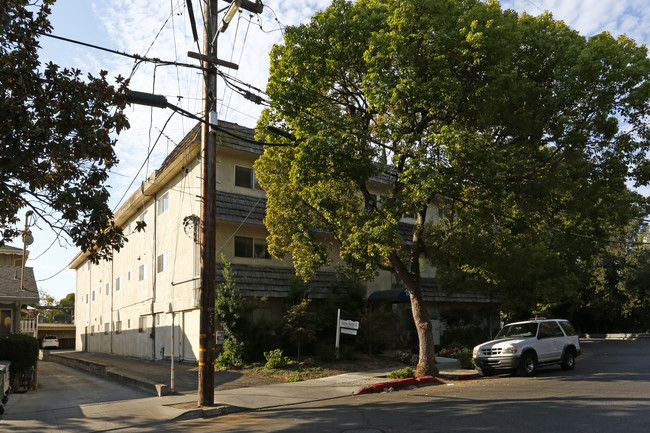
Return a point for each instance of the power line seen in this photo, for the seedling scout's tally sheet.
(121, 53)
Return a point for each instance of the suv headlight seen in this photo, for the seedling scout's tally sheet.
(509, 350)
(475, 352)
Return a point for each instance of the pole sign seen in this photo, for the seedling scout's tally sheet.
(349, 327)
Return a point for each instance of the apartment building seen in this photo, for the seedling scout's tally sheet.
(149, 292)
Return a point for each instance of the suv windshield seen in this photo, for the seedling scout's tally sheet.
(519, 330)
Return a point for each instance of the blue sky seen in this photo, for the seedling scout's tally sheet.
(161, 29)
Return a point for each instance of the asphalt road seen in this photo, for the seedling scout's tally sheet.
(609, 391)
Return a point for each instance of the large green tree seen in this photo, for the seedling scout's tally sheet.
(522, 130)
(55, 136)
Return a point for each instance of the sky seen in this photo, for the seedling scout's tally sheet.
(162, 30)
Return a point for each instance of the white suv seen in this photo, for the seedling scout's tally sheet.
(522, 346)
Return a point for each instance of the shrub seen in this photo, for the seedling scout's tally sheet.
(408, 357)
(21, 350)
(274, 359)
(403, 373)
(232, 355)
(293, 379)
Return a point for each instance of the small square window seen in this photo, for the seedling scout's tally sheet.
(118, 284)
(244, 177)
(243, 247)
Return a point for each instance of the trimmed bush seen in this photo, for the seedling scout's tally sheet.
(403, 373)
(21, 350)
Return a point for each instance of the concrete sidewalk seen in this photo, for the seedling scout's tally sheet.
(234, 391)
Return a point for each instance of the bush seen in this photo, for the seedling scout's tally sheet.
(403, 373)
(293, 379)
(274, 359)
(21, 350)
(232, 355)
(408, 357)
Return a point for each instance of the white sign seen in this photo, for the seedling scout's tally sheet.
(350, 324)
(348, 331)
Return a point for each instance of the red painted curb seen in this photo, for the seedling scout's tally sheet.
(400, 383)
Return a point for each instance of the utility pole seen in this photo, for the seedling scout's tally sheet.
(207, 341)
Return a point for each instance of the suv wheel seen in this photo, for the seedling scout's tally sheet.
(527, 364)
(568, 360)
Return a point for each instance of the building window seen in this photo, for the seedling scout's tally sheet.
(245, 177)
(92, 329)
(118, 284)
(108, 288)
(163, 203)
(163, 262)
(142, 272)
(86, 298)
(144, 217)
(107, 328)
(128, 276)
(142, 324)
(128, 324)
(118, 327)
(88, 265)
(251, 247)
(94, 295)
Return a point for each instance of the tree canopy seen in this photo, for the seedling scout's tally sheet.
(56, 146)
(521, 130)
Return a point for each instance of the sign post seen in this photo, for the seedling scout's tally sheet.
(349, 327)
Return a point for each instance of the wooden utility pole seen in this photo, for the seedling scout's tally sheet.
(207, 336)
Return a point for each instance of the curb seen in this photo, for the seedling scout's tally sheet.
(419, 381)
(397, 384)
(211, 412)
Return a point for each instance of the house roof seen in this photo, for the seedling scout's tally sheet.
(274, 282)
(10, 285)
(9, 248)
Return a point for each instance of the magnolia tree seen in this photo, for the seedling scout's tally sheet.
(522, 130)
(55, 137)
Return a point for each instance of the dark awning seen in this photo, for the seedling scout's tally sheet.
(393, 296)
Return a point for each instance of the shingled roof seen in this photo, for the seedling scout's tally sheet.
(274, 282)
(10, 285)
(238, 207)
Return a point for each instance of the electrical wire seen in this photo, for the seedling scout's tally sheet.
(120, 53)
(146, 161)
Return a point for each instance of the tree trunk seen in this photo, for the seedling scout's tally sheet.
(427, 357)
